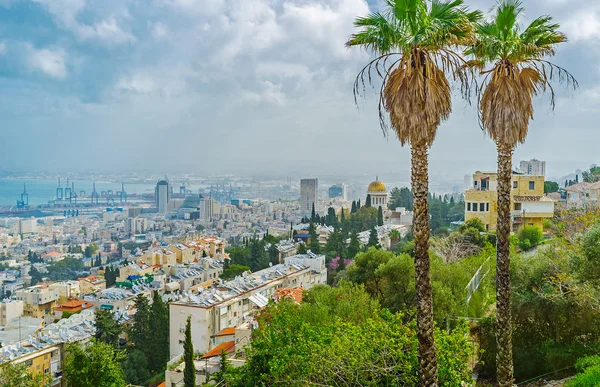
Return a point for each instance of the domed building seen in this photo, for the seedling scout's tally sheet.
(379, 194)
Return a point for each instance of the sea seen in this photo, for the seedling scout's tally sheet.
(41, 191)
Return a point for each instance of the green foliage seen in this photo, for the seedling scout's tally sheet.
(135, 367)
(199, 228)
(233, 270)
(592, 175)
(475, 223)
(18, 375)
(65, 269)
(550, 186)
(589, 372)
(315, 245)
(401, 198)
(373, 239)
(321, 342)
(189, 372)
(96, 364)
(380, 216)
(107, 329)
(529, 236)
(158, 346)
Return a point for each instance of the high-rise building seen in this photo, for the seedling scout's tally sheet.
(533, 167)
(309, 189)
(339, 191)
(27, 226)
(163, 194)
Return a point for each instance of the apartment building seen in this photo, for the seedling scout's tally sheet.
(38, 301)
(583, 195)
(529, 206)
(230, 304)
(10, 310)
(91, 284)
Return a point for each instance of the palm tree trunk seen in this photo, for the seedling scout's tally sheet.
(504, 361)
(425, 326)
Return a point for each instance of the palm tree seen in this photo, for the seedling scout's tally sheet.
(516, 74)
(414, 45)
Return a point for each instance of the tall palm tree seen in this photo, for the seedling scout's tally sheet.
(414, 41)
(517, 72)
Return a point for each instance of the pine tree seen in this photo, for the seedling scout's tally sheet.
(353, 209)
(354, 246)
(189, 372)
(158, 356)
(373, 239)
(140, 334)
(313, 214)
(368, 201)
(380, 216)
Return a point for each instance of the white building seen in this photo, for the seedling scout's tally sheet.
(378, 193)
(10, 310)
(27, 226)
(137, 225)
(533, 167)
(309, 191)
(229, 304)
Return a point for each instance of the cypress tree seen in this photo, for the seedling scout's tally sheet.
(140, 334)
(354, 246)
(368, 201)
(313, 214)
(353, 209)
(315, 246)
(189, 372)
(159, 326)
(380, 216)
(373, 239)
(342, 217)
(358, 205)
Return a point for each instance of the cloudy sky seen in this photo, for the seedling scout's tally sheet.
(243, 86)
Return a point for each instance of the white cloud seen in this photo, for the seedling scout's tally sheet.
(106, 30)
(159, 30)
(50, 62)
(583, 26)
(269, 93)
(2, 48)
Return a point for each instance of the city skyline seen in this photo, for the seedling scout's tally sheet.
(120, 79)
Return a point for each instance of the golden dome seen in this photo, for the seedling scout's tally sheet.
(377, 186)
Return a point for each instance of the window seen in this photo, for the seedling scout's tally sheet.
(517, 206)
(474, 207)
(482, 207)
(532, 185)
(487, 227)
(469, 206)
(487, 207)
(515, 184)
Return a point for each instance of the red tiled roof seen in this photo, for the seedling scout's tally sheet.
(227, 346)
(291, 293)
(226, 332)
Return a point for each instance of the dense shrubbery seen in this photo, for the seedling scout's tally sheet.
(340, 336)
(529, 236)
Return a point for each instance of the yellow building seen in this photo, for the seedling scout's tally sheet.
(529, 206)
(46, 360)
(91, 284)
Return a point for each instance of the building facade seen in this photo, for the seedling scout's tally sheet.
(229, 304)
(163, 194)
(338, 191)
(309, 195)
(533, 167)
(378, 193)
(529, 206)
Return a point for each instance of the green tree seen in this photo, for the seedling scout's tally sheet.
(135, 367)
(18, 375)
(550, 186)
(380, 216)
(411, 38)
(353, 209)
(158, 355)
(108, 329)
(401, 198)
(234, 270)
(529, 236)
(96, 364)
(368, 201)
(517, 72)
(140, 334)
(592, 175)
(373, 239)
(189, 372)
(313, 214)
(354, 246)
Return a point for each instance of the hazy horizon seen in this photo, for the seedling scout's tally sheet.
(253, 87)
